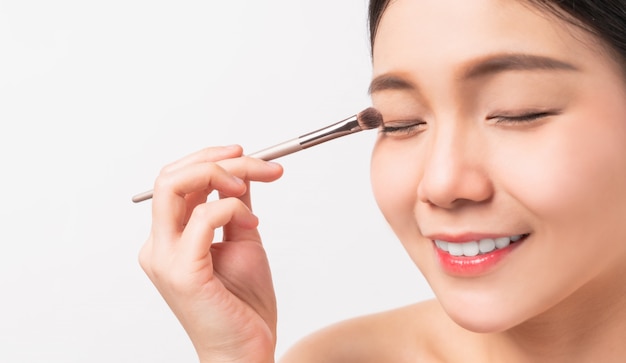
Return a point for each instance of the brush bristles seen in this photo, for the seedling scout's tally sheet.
(369, 118)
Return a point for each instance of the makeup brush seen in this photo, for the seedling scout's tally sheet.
(367, 119)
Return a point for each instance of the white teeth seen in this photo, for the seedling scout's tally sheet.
(486, 245)
(442, 245)
(474, 248)
(455, 249)
(470, 248)
(502, 242)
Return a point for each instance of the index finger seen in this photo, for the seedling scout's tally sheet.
(209, 154)
(169, 204)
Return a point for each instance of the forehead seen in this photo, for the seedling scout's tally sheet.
(436, 33)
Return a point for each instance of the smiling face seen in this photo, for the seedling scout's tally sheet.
(501, 165)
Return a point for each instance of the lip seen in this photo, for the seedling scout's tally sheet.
(474, 266)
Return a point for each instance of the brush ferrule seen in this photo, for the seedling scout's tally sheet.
(341, 128)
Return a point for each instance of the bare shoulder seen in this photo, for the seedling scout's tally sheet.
(399, 335)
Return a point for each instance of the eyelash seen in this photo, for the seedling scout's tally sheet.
(413, 127)
(407, 129)
(527, 117)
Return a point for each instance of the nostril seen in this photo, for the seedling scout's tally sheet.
(452, 188)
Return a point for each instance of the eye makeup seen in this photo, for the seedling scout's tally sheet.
(402, 128)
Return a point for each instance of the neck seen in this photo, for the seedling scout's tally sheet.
(588, 326)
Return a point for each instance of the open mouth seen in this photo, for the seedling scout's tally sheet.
(479, 247)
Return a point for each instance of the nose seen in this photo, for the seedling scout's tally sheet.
(455, 171)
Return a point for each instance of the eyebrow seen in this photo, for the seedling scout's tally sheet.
(388, 82)
(483, 67)
(514, 62)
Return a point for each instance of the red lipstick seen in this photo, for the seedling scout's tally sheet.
(471, 266)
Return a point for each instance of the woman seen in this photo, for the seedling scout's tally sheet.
(500, 166)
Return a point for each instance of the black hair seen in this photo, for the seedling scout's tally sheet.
(375, 13)
(604, 18)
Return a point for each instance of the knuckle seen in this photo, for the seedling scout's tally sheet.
(167, 168)
(207, 214)
(211, 168)
(163, 182)
(157, 271)
(217, 213)
(229, 205)
(144, 259)
(235, 204)
(202, 211)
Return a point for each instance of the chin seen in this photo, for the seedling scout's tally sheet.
(482, 316)
(478, 323)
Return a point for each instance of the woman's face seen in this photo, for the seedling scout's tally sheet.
(504, 141)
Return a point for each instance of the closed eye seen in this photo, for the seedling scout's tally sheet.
(521, 118)
(403, 128)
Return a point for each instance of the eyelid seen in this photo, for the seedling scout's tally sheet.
(402, 127)
(521, 116)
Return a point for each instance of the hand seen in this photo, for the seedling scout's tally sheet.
(222, 293)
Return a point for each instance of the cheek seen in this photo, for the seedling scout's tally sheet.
(573, 176)
(394, 177)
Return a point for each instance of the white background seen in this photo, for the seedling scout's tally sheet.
(95, 96)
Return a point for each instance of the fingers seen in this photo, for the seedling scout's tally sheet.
(191, 254)
(197, 237)
(218, 292)
(170, 206)
(209, 154)
(233, 232)
(251, 170)
(183, 185)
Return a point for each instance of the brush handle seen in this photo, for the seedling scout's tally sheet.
(137, 198)
(267, 154)
(339, 129)
(276, 151)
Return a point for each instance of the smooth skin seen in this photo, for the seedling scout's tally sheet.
(222, 293)
(472, 143)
